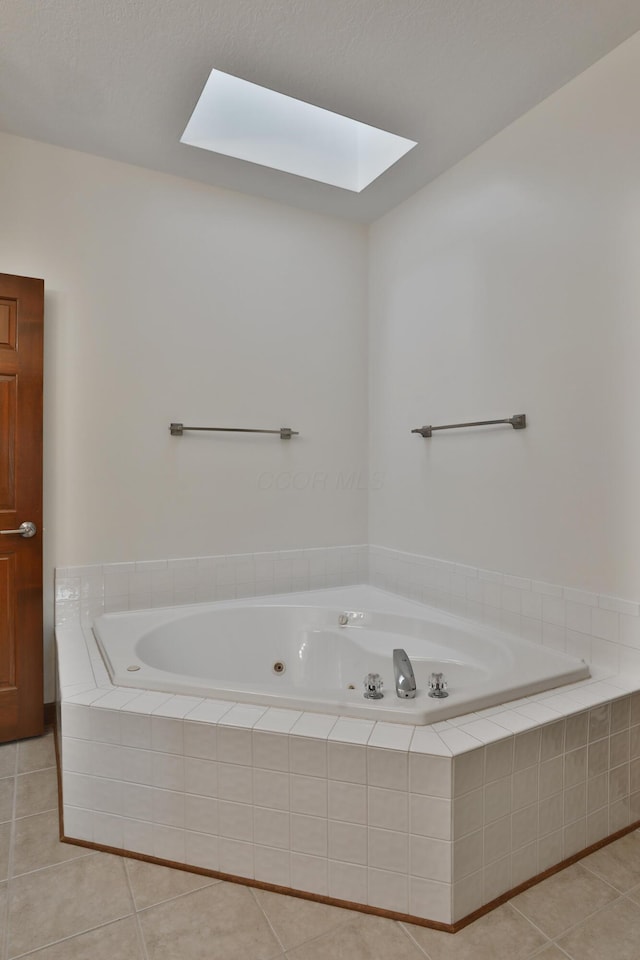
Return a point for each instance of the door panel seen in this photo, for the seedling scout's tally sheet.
(21, 334)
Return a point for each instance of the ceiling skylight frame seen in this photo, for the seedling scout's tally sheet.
(249, 122)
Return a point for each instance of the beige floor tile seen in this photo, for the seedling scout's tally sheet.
(222, 922)
(37, 753)
(66, 900)
(37, 844)
(7, 759)
(502, 934)
(36, 792)
(117, 941)
(295, 920)
(561, 901)
(611, 934)
(152, 883)
(7, 787)
(364, 937)
(5, 840)
(618, 863)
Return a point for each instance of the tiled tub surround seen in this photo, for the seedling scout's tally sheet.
(432, 822)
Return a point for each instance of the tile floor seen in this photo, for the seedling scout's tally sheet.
(62, 902)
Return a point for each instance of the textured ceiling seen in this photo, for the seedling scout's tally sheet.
(119, 78)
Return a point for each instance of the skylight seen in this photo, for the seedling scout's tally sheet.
(250, 122)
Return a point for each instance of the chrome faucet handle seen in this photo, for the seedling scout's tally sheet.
(437, 685)
(373, 687)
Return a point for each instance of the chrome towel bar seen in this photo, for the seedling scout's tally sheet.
(285, 433)
(518, 422)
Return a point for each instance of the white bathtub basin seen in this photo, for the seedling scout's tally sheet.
(235, 649)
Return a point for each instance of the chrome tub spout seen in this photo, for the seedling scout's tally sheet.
(405, 679)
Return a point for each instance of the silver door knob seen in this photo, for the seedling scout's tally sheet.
(26, 529)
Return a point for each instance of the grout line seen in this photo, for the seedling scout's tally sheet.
(252, 890)
(60, 863)
(574, 926)
(179, 896)
(136, 914)
(74, 936)
(414, 941)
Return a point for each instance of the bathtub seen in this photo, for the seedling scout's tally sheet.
(290, 651)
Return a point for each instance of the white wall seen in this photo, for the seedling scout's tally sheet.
(512, 285)
(167, 300)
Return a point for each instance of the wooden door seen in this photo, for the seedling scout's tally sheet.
(21, 330)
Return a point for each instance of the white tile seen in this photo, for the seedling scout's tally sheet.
(271, 827)
(628, 607)
(200, 740)
(278, 721)
(430, 817)
(167, 771)
(393, 736)
(347, 841)
(242, 715)
(177, 707)
(347, 801)
(116, 699)
(135, 730)
(169, 843)
(210, 711)
(484, 730)
(201, 777)
(167, 735)
(270, 750)
(78, 824)
(317, 726)
(271, 789)
(347, 881)
(309, 795)
(202, 850)
(388, 890)
(235, 782)
(235, 821)
(309, 873)
(514, 722)
(431, 776)
(234, 745)
(309, 835)
(468, 771)
(146, 702)
(236, 858)
(272, 866)
(430, 899)
(108, 830)
(605, 624)
(168, 807)
(430, 859)
(137, 801)
(308, 757)
(497, 840)
(347, 730)
(468, 813)
(201, 815)
(347, 761)
(77, 755)
(387, 768)
(458, 741)
(138, 836)
(388, 809)
(426, 740)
